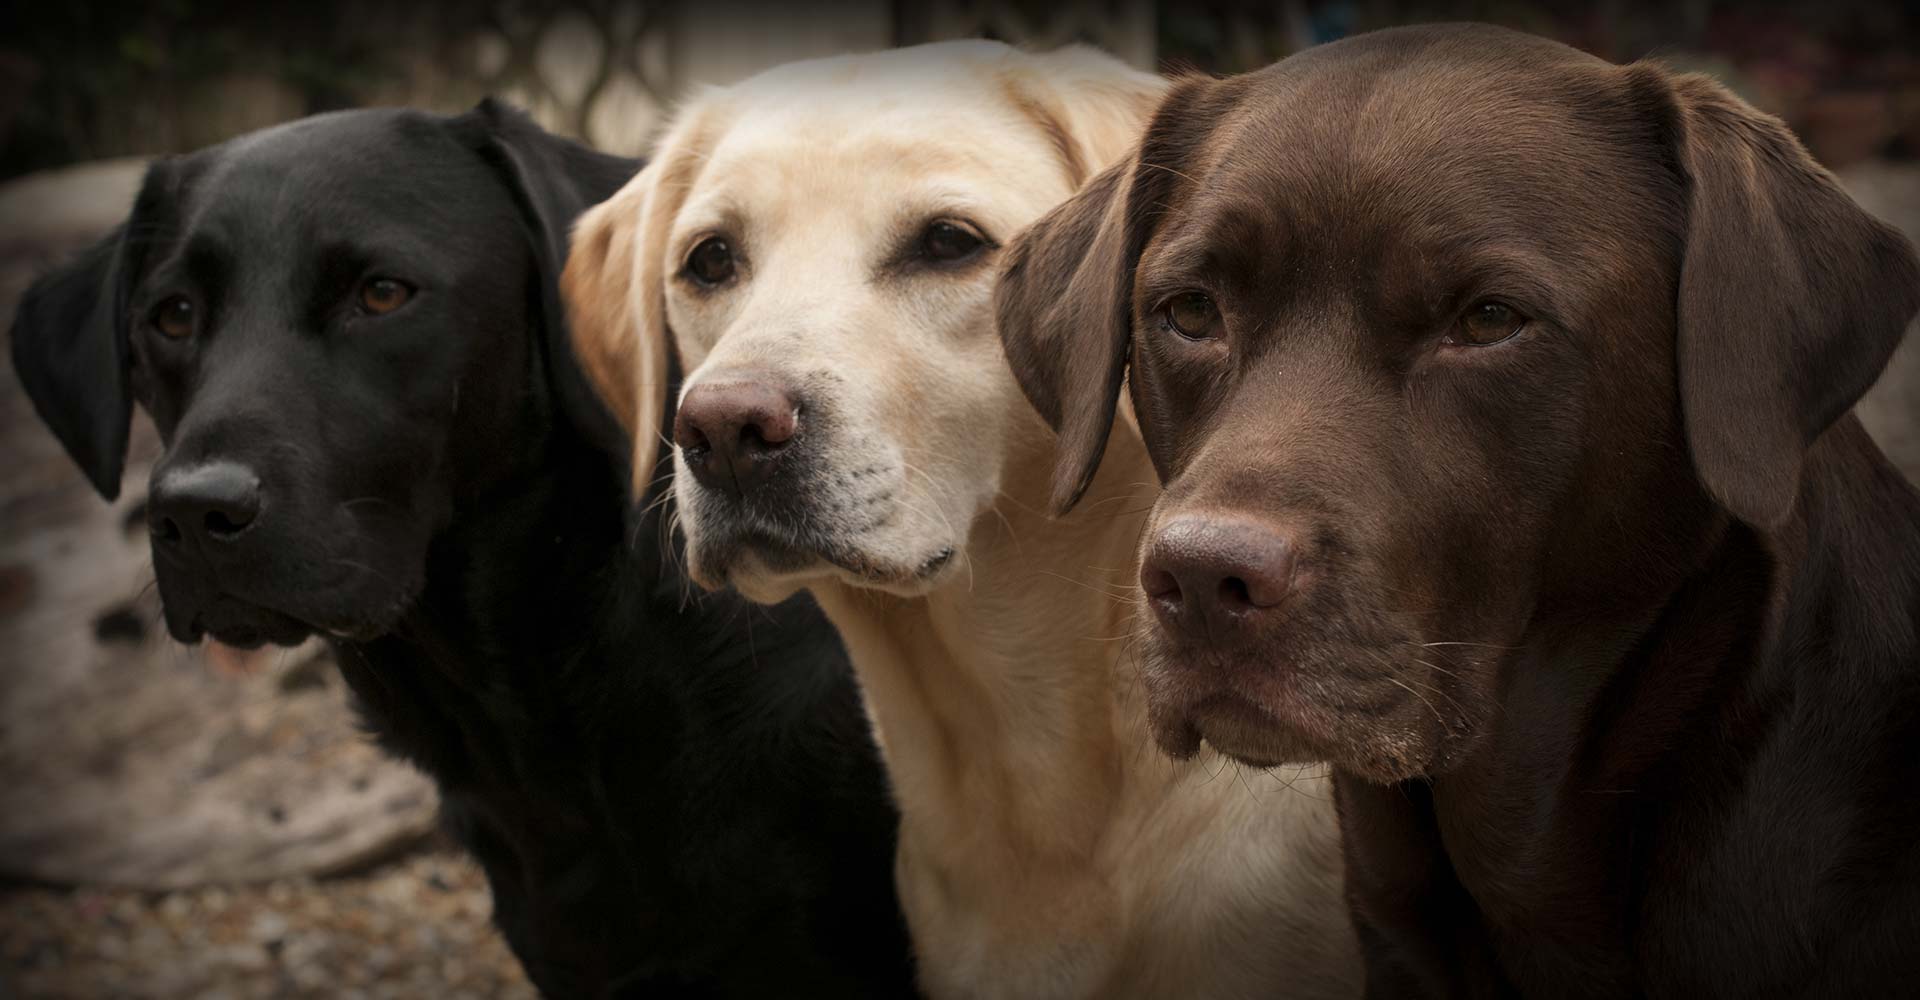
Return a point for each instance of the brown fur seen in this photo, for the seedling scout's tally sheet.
(1610, 628)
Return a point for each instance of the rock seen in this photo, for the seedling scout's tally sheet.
(268, 928)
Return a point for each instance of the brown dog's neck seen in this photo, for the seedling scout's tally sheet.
(1857, 551)
(1613, 734)
(1834, 590)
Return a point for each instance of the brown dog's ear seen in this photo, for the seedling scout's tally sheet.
(1064, 304)
(1064, 307)
(615, 289)
(1792, 298)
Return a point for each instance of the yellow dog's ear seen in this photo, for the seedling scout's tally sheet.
(1090, 104)
(615, 289)
(616, 352)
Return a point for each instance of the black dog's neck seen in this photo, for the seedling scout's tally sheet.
(548, 545)
(551, 538)
(548, 541)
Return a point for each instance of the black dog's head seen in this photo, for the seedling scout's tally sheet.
(344, 327)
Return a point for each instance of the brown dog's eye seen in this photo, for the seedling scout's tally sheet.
(174, 317)
(1486, 324)
(949, 242)
(711, 262)
(381, 296)
(1191, 315)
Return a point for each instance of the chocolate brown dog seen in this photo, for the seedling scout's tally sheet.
(1502, 397)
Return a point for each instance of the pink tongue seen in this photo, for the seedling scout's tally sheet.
(232, 661)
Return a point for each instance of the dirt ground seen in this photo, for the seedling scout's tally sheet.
(417, 927)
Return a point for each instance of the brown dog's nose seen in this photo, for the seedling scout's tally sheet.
(732, 432)
(1206, 574)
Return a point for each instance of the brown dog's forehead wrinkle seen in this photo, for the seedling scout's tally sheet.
(1225, 245)
(1358, 145)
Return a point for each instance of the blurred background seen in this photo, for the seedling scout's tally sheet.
(193, 822)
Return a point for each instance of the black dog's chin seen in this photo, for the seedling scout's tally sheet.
(252, 599)
(236, 625)
(247, 625)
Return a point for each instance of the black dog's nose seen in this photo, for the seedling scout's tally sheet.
(1206, 574)
(732, 430)
(216, 501)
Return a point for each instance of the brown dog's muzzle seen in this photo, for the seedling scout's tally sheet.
(1275, 643)
(1231, 593)
(1207, 576)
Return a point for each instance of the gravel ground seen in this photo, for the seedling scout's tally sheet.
(417, 927)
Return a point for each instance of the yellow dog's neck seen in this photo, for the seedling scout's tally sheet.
(1047, 848)
(1005, 702)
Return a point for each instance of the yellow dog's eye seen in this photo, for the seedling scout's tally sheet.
(381, 296)
(711, 262)
(1486, 323)
(948, 242)
(1191, 315)
(174, 318)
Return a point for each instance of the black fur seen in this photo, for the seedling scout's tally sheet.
(671, 796)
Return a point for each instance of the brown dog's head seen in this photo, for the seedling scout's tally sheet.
(1442, 339)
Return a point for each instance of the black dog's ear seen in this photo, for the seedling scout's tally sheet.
(1792, 299)
(1064, 308)
(70, 351)
(553, 180)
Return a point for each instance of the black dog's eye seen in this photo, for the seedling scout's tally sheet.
(174, 317)
(1485, 324)
(949, 242)
(1191, 315)
(381, 296)
(711, 262)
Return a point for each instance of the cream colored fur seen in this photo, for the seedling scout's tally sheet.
(1046, 849)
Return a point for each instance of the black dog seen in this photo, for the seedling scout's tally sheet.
(348, 333)
(1501, 396)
